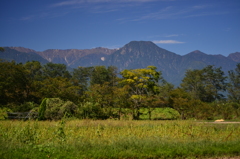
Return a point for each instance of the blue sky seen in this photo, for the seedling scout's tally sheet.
(180, 26)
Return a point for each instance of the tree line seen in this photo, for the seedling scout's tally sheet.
(101, 92)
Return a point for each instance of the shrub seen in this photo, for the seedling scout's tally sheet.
(3, 112)
(89, 110)
(55, 109)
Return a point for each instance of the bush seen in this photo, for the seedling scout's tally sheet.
(56, 109)
(3, 112)
(89, 110)
(68, 109)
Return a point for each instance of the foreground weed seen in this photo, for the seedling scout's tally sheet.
(60, 131)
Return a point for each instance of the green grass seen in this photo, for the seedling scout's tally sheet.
(117, 139)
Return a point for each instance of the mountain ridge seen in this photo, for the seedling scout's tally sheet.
(234, 56)
(70, 56)
(135, 54)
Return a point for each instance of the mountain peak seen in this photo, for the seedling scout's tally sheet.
(197, 52)
(140, 43)
(140, 54)
(142, 48)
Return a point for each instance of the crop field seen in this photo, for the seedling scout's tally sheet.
(118, 139)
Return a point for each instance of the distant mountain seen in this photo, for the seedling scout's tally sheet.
(198, 60)
(136, 54)
(22, 49)
(21, 55)
(74, 57)
(234, 56)
(140, 54)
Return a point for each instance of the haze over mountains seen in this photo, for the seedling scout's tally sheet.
(136, 54)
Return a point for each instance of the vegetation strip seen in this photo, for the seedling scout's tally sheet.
(117, 139)
(101, 92)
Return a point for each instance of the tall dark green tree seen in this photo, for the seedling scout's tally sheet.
(13, 83)
(55, 70)
(207, 84)
(112, 75)
(81, 77)
(193, 83)
(103, 81)
(179, 100)
(58, 87)
(101, 74)
(234, 85)
(34, 70)
(34, 76)
(215, 83)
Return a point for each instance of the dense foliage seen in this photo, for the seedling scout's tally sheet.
(101, 92)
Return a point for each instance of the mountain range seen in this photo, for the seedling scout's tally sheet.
(136, 54)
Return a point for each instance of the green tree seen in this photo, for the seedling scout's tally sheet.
(234, 85)
(142, 83)
(179, 100)
(101, 74)
(121, 100)
(81, 77)
(206, 84)
(34, 70)
(34, 75)
(193, 83)
(55, 70)
(13, 83)
(215, 83)
(188, 107)
(151, 102)
(102, 94)
(58, 87)
(112, 75)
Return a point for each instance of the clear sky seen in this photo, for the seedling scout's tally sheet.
(180, 26)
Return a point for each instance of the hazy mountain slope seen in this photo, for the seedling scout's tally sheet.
(198, 60)
(74, 57)
(21, 56)
(22, 49)
(234, 56)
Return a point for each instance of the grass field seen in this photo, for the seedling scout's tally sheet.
(118, 139)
